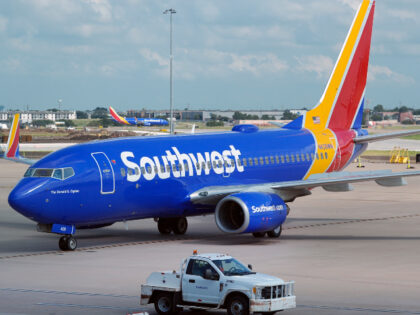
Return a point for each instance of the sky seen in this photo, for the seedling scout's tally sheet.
(238, 54)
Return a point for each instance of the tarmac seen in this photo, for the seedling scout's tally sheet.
(349, 253)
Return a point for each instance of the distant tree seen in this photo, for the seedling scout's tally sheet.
(1, 107)
(69, 123)
(268, 117)
(416, 112)
(52, 110)
(42, 122)
(81, 115)
(376, 116)
(100, 112)
(288, 115)
(378, 108)
(403, 109)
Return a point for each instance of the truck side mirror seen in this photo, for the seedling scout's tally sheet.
(249, 266)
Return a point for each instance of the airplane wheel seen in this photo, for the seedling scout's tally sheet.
(275, 233)
(180, 225)
(164, 226)
(62, 243)
(71, 243)
(258, 234)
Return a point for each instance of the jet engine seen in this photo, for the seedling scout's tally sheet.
(250, 212)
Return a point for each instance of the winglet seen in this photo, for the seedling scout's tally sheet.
(117, 117)
(12, 148)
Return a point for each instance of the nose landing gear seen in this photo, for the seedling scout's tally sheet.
(67, 243)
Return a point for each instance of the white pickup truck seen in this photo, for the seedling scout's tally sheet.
(212, 281)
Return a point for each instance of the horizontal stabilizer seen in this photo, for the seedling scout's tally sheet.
(372, 138)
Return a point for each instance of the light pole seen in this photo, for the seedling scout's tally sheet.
(171, 109)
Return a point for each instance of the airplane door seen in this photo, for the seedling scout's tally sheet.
(106, 172)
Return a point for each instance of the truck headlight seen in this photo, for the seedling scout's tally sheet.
(257, 292)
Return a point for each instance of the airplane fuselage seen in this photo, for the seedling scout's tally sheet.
(135, 178)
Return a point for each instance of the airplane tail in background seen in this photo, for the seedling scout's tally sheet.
(117, 117)
(12, 148)
(341, 105)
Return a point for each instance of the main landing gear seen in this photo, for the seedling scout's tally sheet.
(177, 225)
(67, 243)
(275, 233)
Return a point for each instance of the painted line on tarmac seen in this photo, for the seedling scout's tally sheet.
(68, 293)
(357, 309)
(190, 238)
(104, 307)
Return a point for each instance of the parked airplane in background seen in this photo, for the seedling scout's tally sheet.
(137, 121)
(246, 177)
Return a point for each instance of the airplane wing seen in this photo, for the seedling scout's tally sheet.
(372, 138)
(289, 190)
(12, 147)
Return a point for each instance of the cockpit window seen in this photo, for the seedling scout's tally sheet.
(58, 173)
(43, 172)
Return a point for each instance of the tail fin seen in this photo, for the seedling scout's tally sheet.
(117, 117)
(341, 104)
(12, 148)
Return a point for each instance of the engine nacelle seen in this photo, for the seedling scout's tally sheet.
(250, 212)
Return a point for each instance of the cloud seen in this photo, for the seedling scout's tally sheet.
(3, 23)
(214, 63)
(321, 65)
(102, 8)
(354, 4)
(403, 14)
(381, 72)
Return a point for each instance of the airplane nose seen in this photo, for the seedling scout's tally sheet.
(24, 199)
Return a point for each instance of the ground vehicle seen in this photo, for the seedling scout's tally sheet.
(217, 281)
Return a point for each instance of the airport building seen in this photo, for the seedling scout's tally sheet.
(31, 115)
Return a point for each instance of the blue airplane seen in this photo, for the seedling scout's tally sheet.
(246, 177)
(137, 121)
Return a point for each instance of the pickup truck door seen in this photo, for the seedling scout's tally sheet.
(197, 289)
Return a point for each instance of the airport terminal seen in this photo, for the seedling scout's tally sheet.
(241, 208)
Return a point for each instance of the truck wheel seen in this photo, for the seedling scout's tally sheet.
(275, 233)
(179, 225)
(164, 226)
(238, 305)
(164, 304)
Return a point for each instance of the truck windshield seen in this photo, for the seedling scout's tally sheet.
(232, 267)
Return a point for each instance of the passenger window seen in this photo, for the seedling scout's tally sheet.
(197, 165)
(256, 161)
(307, 157)
(292, 157)
(149, 169)
(69, 172)
(209, 165)
(326, 155)
(156, 169)
(317, 156)
(277, 159)
(303, 157)
(58, 173)
(220, 164)
(168, 168)
(261, 161)
(322, 156)
(130, 171)
(122, 172)
(312, 156)
(266, 160)
(282, 158)
(297, 158)
(250, 162)
(136, 170)
(162, 168)
(203, 165)
(287, 158)
(238, 161)
(143, 171)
